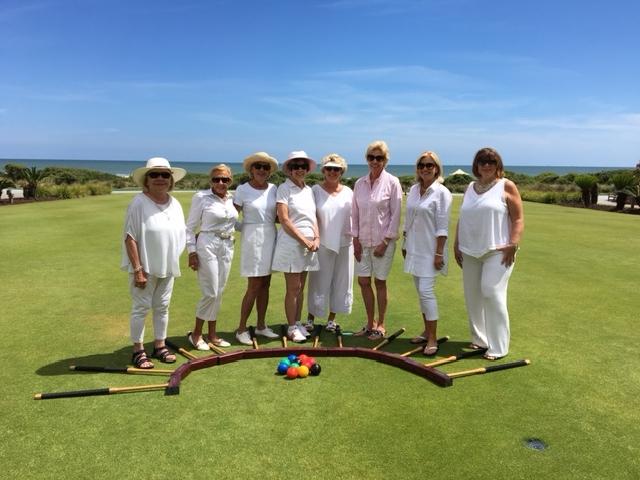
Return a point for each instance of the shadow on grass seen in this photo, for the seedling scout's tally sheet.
(122, 356)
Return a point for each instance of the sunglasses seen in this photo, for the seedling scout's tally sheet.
(262, 166)
(333, 169)
(377, 158)
(299, 166)
(487, 162)
(220, 180)
(159, 174)
(428, 166)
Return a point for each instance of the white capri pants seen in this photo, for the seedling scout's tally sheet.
(485, 282)
(378, 267)
(214, 264)
(427, 296)
(333, 283)
(156, 296)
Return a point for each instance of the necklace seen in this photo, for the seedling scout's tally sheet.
(481, 188)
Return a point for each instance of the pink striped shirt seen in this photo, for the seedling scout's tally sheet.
(376, 209)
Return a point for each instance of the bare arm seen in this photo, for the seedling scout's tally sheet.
(516, 215)
(139, 275)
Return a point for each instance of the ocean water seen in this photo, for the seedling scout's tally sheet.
(123, 167)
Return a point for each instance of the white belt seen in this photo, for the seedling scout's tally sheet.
(223, 235)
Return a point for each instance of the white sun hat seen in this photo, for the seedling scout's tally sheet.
(299, 155)
(157, 163)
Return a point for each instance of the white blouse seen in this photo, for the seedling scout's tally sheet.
(427, 218)
(301, 206)
(212, 214)
(159, 231)
(334, 217)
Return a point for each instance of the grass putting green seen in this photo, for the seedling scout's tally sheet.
(574, 308)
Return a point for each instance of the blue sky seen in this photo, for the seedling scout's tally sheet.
(544, 82)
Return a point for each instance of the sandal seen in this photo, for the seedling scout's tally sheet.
(418, 339)
(363, 332)
(164, 355)
(376, 335)
(430, 351)
(491, 358)
(140, 360)
(475, 346)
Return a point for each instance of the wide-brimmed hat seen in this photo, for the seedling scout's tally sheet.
(334, 160)
(260, 157)
(157, 163)
(299, 155)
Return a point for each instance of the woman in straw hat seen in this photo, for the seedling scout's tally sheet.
(256, 200)
(298, 239)
(154, 238)
(211, 251)
(426, 228)
(332, 285)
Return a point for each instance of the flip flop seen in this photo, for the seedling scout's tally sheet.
(430, 351)
(418, 339)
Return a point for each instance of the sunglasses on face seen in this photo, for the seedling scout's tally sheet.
(220, 180)
(487, 162)
(299, 166)
(428, 166)
(377, 158)
(164, 175)
(262, 166)
(333, 169)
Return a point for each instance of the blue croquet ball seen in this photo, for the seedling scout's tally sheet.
(282, 368)
(315, 370)
(292, 358)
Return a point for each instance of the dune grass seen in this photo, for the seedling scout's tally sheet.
(574, 308)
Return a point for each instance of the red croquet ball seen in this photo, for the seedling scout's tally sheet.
(302, 357)
(292, 372)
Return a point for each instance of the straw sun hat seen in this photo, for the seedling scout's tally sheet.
(157, 163)
(262, 157)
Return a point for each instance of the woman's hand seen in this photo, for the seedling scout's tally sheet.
(380, 249)
(315, 244)
(140, 279)
(193, 261)
(438, 262)
(509, 254)
(458, 255)
(357, 249)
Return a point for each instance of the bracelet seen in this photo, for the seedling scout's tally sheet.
(193, 253)
(516, 245)
(385, 241)
(139, 268)
(438, 254)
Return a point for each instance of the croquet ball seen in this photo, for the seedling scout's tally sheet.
(295, 365)
(303, 371)
(311, 360)
(292, 358)
(282, 368)
(315, 369)
(285, 360)
(307, 363)
(292, 372)
(302, 357)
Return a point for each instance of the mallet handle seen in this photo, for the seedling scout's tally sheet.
(412, 351)
(316, 335)
(389, 339)
(129, 370)
(216, 348)
(254, 340)
(490, 368)
(453, 358)
(180, 350)
(283, 335)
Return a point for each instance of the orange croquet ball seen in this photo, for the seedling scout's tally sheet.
(292, 372)
(303, 371)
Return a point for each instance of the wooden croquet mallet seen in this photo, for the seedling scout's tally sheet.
(421, 347)
(216, 348)
(339, 336)
(180, 350)
(454, 358)
(316, 335)
(489, 369)
(128, 370)
(252, 334)
(389, 339)
(283, 335)
(99, 391)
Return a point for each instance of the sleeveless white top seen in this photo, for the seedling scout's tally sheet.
(334, 217)
(484, 223)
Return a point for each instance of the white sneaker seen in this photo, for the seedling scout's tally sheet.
(331, 326)
(303, 330)
(244, 338)
(295, 334)
(267, 332)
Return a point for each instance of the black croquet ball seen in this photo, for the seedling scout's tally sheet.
(315, 369)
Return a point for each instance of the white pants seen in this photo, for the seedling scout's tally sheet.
(485, 282)
(427, 296)
(155, 296)
(214, 264)
(333, 283)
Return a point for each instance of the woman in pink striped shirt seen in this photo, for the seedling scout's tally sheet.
(377, 199)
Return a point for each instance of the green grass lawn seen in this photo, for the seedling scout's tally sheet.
(573, 301)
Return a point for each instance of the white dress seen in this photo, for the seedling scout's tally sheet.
(291, 256)
(258, 228)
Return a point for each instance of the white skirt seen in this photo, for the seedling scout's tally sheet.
(291, 257)
(256, 249)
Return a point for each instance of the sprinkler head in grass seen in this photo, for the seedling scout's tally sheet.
(535, 444)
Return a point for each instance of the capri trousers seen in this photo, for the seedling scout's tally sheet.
(427, 296)
(485, 282)
(214, 264)
(155, 296)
